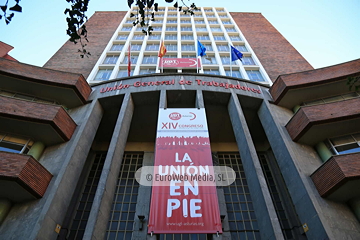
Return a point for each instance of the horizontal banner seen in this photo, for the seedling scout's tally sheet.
(179, 62)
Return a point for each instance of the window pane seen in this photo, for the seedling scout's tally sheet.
(223, 48)
(170, 37)
(117, 47)
(235, 73)
(103, 74)
(111, 59)
(342, 140)
(139, 37)
(248, 61)
(255, 75)
(122, 36)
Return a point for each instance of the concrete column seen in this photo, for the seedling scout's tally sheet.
(100, 210)
(143, 204)
(355, 207)
(265, 211)
(5, 206)
(323, 151)
(199, 99)
(163, 100)
(289, 159)
(36, 150)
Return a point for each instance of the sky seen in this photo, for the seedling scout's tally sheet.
(325, 32)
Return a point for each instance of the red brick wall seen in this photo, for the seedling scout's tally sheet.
(320, 114)
(335, 172)
(26, 171)
(276, 54)
(101, 26)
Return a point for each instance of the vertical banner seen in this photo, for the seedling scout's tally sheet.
(184, 197)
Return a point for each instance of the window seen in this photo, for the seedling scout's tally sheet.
(158, 21)
(111, 59)
(117, 47)
(215, 29)
(220, 10)
(201, 29)
(171, 28)
(222, 16)
(209, 60)
(132, 58)
(135, 47)
(225, 60)
(235, 73)
(241, 48)
(149, 59)
(157, 29)
(122, 37)
(235, 38)
(188, 56)
(14, 144)
(213, 22)
(103, 74)
(154, 37)
(172, 9)
(187, 37)
(171, 37)
(188, 47)
(223, 48)
(212, 71)
(172, 21)
(171, 47)
(248, 61)
(219, 38)
(231, 29)
(126, 29)
(124, 73)
(226, 22)
(208, 47)
(185, 21)
(152, 47)
(200, 21)
(139, 37)
(344, 144)
(186, 29)
(255, 75)
(203, 37)
(172, 15)
(207, 10)
(210, 16)
(129, 21)
(147, 71)
(333, 99)
(159, 14)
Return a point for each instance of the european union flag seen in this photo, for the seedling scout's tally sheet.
(201, 49)
(235, 54)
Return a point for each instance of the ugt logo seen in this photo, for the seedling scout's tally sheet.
(174, 116)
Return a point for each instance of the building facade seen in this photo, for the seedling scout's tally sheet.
(73, 133)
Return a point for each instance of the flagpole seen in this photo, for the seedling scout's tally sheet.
(129, 60)
(230, 61)
(197, 56)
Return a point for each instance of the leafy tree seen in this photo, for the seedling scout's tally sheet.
(76, 17)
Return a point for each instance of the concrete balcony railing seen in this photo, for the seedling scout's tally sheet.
(22, 178)
(338, 178)
(49, 124)
(313, 124)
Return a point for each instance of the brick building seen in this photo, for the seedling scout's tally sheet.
(73, 133)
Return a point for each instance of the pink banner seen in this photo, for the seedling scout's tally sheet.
(188, 202)
(179, 62)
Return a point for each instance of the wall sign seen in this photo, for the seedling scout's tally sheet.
(186, 201)
(179, 62)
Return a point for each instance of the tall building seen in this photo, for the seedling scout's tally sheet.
(74, 132)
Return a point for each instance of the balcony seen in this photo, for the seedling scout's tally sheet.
(47, 123)
(22, 178)
(69, 89)
(338, 179)
(313, 124)
(290, 90)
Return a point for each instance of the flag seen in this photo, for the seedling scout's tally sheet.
(162, 49)
(129, 60)
(201, 49)
(235, 54)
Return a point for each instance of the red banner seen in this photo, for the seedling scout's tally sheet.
(179, 62)
(186, 199)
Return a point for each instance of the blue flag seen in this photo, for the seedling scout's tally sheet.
(201, 49)
(235, 54)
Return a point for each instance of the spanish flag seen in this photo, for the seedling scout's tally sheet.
(162, 49)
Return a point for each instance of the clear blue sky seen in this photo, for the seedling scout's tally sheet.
(325, 32)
